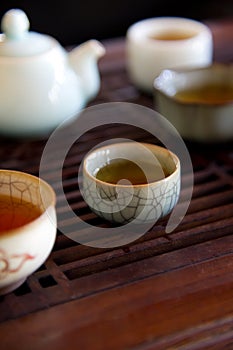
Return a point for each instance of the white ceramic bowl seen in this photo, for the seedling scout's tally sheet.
(25, 248)
(198, 120)
(155, 44)
(124, 203)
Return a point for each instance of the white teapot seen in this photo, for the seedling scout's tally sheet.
(42, 84)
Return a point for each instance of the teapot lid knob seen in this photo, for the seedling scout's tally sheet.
(14, 24)
(18, 41)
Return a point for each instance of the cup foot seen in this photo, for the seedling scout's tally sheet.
(11, 287)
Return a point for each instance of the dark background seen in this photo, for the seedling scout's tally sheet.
(73, 21)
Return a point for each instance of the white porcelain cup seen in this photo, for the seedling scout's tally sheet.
(155, 44)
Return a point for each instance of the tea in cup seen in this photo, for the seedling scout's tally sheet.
(131, 182)
(201, 98)
(27, 226)
(159, 43)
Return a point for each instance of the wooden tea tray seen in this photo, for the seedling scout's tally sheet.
(159, 292)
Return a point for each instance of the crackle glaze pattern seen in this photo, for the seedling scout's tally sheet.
(139, 203)
(24, 248)
(18, 189)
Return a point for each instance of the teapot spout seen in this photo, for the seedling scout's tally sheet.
(83, 60)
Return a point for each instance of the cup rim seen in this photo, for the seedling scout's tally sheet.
(210, 68)
(149, 23)
(52, 202)
(148, 145)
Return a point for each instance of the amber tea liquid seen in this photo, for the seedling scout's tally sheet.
(118, 169)
(170, 36)
(15, 213)
(208, 94)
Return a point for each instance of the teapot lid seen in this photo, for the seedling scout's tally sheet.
(17, 40)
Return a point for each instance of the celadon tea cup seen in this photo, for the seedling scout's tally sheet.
(131, 182)
(159, 43)
(28, 226)
(198, 101)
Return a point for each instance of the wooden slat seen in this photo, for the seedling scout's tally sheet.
(146, 310)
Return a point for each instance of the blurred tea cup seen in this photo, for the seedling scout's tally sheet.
(131, 181)
(27, 226)
(155, 44)
(198, 101)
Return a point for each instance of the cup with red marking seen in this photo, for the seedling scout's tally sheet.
(28, 226)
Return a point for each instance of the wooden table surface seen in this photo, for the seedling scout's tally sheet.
(159, 292)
